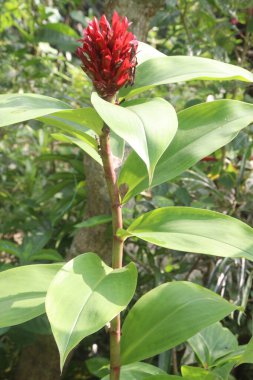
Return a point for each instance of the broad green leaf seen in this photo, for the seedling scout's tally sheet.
(247, 356)
(81, 122)
(213, 343)
(195, 230)
(94, 221)
(167, 316)
(139, 371)
(84, 137)
(202, 129)
(232, 358)
(23, 291)
(78, 121)
(16, 108)
(86, 147)
(195, 373)
(146, 52)
(100, 293)
(223, 371)
(136, 123)
(164, 70)
(243, 355)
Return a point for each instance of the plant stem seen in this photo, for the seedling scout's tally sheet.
(117, 247)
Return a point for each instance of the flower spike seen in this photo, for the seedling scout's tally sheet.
(108, 54)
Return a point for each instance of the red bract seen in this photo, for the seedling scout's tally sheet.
(108, 54)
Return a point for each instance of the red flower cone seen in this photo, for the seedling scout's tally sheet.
(108, 54)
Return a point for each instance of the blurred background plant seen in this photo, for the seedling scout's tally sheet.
(44, 187)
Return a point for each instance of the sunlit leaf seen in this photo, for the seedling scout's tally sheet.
(81, 143)
(94, 221)
(78, 121)
(213, 343)
(195, 373)
(195, 230)
(16, 108)
(137, 124)
(173, 69)
(167, 316)
(140, 371)
(202, 129)
(88, 294)
(23, 291)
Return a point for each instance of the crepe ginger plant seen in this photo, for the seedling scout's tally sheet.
(83, 295)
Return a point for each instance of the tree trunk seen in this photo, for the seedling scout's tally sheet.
(40, 361)
(95, 239)
(139, 12)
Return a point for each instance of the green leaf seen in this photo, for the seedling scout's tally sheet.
(139, 371)
(232, 358)
(79, 17)
(86, 147)
(146, 52)
(9, 247)
(174, 69)
(195, 373)
(136, 123)
(39, 325)
(78, 121)
(163, 377)
(61, 28)
(223, 371)
(23, 291)
(59, 34)
(48, 254)
(247, 356)
(3, 330)
(48, 193)
(202, 129)
(167, 316)
(98, 366)
(190, 229)
(82, 122)
(16, 108)
(82, 137)
(117, 145)
(94, 221)
(100, 293)
(213, 343)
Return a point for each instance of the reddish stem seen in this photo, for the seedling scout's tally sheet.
(117, 247)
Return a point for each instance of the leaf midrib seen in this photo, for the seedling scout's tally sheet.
(221, 72)
(208, 238)
(156, 182)
(195, 142)
(145, 135)
(82, 307)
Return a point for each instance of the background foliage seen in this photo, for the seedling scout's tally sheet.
(43, 187)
